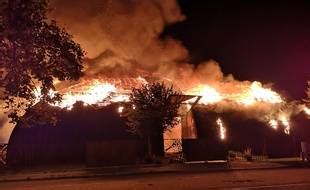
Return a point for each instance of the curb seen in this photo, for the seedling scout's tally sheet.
(99, 172)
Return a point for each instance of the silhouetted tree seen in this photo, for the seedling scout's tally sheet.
(34, 52)
(155, 109)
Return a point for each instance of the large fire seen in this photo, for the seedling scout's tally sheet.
(141, 50)
(209, 95)
(96, 93)
(92, 95)
(103, 92)
(256, 93)
(250, 95)
(106, 91)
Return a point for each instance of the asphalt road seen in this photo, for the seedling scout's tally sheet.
(244, 179)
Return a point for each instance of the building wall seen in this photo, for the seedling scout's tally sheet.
(203, 149)
(114, 152)
(66, 143)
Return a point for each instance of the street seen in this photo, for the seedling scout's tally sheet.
(289, 178)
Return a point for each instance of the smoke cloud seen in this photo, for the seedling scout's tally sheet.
(122, 36)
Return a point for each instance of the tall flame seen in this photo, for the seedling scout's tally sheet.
(104, 92)
(222, 129)
(286, 124)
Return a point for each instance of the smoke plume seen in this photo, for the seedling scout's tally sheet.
(122, 36)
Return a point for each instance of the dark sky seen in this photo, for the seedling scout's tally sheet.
(261, 40)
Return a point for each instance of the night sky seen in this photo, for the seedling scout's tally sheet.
(253, 40)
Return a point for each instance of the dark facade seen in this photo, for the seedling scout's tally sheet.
(75, 137)
(98, 136)
(206, 145)
(244, 132)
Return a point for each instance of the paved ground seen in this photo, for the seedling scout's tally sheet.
(60, 172)
(284, 178)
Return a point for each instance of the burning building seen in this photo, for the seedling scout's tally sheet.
(125, 49)
(91, 130)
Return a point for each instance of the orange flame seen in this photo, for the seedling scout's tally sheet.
(255, 93)
(273, 123)
(92, 95)
(222, 129)
(306, 110)
(209, 94)
(106, 91)
(95, 92)
(286, 124)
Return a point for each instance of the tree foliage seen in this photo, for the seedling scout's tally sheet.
(155, 109)
(34, 52)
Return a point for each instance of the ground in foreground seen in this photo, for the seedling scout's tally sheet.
(288, 178)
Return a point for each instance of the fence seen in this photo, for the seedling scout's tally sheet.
(236, 155)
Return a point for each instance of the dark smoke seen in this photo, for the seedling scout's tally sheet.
(122, 36)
